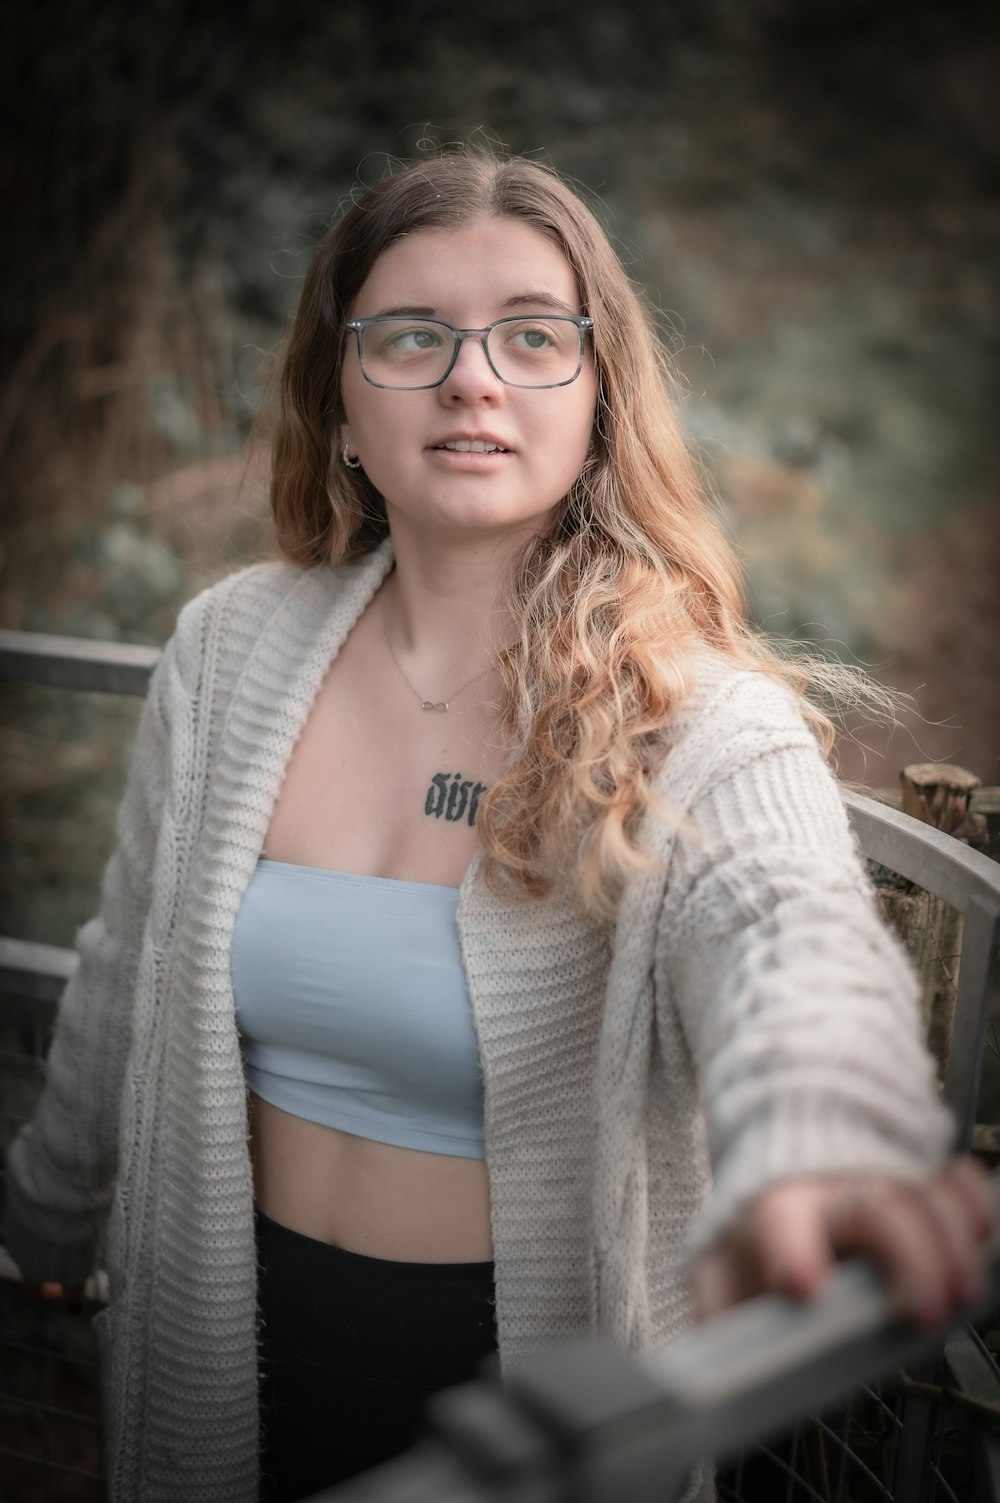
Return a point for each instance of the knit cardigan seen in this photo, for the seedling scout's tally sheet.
(746, 1018)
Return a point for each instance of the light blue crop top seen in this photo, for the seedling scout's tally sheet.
(352, 1006)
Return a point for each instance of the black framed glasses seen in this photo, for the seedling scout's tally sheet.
(414, 354)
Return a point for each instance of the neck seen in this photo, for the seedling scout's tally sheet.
(446, 609)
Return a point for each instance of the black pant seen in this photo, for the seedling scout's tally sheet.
(350, 1349)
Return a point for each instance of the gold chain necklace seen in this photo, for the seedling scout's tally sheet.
(426, 704)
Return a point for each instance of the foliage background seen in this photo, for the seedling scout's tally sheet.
(809, 193)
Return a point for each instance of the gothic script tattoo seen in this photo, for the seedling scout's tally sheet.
(454, 797)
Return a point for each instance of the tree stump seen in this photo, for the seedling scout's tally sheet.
(937, 793)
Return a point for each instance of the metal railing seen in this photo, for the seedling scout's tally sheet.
(75, 663)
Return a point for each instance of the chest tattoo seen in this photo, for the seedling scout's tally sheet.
(453, 797)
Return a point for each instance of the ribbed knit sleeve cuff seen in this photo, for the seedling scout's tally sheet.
(800, 1138)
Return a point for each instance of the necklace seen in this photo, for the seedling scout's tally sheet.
(426, 704)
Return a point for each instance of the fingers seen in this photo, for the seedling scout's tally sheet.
(720, 1278)
(794, 1251)
(927, 1238)
(780, 1246)
(895, 1228)
(961, 1202)
(69, 1296)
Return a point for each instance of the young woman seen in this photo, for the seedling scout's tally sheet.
(481, 896)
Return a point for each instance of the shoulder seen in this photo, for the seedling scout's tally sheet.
(225, 622)
(732, 717)
(252, 591)
(750, 809)
(728, 696)
(742, 766)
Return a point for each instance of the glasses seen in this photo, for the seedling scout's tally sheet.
(414, 354)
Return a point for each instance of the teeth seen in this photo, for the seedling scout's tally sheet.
(472, 446)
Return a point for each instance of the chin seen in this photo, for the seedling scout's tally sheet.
(478, 518)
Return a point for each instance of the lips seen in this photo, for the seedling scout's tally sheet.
(473, 445)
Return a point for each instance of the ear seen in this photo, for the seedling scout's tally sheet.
(343, 437)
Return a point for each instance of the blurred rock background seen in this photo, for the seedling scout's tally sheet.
(807, 191)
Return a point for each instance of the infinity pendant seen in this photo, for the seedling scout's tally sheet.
(428, 704)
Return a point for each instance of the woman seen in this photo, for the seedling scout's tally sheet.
(486, 854)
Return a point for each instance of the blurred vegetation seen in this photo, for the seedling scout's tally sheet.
(808, 193)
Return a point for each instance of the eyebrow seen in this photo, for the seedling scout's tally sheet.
(540, 299)
(519, 300)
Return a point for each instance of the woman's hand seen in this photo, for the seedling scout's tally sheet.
(70, 1296)
(928, 1238)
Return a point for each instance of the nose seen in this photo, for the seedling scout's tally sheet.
(471, 378)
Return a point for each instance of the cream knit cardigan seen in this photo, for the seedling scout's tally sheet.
(747, 1010)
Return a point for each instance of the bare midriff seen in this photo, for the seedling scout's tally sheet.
(368, 1197)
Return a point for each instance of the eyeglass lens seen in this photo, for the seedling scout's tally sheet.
(408, 352)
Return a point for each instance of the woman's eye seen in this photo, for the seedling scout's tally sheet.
(396, 342)
(409, 341)
(533, 339)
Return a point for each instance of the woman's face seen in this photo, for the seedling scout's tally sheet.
(469, 277)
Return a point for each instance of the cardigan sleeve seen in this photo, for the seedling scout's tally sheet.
(61, 1165)
(797, 1004)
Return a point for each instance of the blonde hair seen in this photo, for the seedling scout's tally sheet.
(634, 569)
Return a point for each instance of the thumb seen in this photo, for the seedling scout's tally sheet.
(792, 1240)
(714, 1282)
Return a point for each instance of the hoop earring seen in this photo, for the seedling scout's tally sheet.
(352, 464)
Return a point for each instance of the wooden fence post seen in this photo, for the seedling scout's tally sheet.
(937, 793)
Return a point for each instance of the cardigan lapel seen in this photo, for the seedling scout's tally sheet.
(273, 698)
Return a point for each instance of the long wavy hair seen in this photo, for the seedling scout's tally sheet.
(633, 569)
